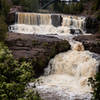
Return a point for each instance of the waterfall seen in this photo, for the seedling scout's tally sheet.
(66, 76)
(54, 23)
(73, 21)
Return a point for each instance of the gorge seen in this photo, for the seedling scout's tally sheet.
(66, 76)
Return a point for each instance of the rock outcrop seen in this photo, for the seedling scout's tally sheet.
(92, 25)
(91, 42)
(38, 49)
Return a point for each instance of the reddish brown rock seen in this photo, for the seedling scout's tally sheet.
(91, 42)
(38, 49)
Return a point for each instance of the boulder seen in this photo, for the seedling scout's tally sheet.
(90, 42)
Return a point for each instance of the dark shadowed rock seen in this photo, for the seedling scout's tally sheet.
(12, 16)
(91, 25)
(56, 20)
(75, 31)
(38, 49)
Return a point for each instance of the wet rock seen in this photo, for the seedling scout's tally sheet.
(91, 25)
(75, 31)
(91, 42)
(56, 20)
(38, 49)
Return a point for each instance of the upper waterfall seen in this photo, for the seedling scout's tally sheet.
(53, 23)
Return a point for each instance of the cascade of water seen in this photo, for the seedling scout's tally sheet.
(45, 19)
(27, 22)
(74, 22)
(69, 71)
(67, 74)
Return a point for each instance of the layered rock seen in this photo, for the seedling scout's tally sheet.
(91, 42)
(39, 49)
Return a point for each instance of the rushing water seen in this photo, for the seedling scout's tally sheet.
(36, 23)
(66, 76)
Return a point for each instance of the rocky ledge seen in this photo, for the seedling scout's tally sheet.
(91, 42)
(37, 48)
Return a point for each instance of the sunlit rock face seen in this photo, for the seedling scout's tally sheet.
(37, 23)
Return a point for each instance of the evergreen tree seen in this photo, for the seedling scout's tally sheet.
(3, 28)
(4, 7)
(4, 10)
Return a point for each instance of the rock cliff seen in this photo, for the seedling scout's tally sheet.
(38, 49)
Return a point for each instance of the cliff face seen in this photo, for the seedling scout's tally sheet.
(38, 49)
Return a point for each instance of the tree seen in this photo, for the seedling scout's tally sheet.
(3, 28)
(4, 10)
(96, 5)
(29, 5)
(14, 76)
(95, 83)
(4, 7)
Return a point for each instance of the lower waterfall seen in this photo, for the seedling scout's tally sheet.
(66, 77)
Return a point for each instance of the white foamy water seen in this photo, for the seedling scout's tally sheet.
(36, 23)
(41, 29)
(66, 76)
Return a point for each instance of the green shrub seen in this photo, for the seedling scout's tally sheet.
(96, 5)
(95, 83)
(74, 8)
(31, 95)
(14, 75)
(3, 28)
(28, 5)
(98, 15)
(4, 10)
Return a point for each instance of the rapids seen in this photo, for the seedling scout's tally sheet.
(66, 76)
